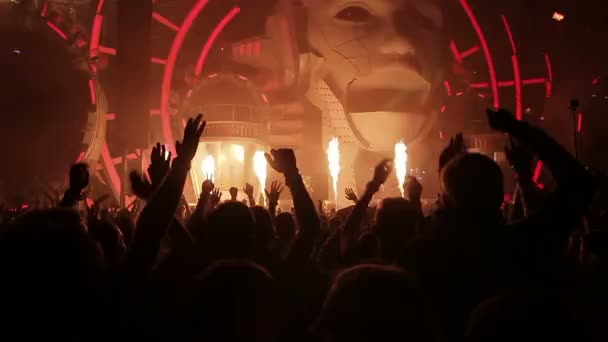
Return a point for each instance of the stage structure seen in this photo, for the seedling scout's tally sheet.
(320, 80)
(235, 137)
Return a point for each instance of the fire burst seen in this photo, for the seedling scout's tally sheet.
(208, 167)
(333, 158)
(261, 169)
(401, 164)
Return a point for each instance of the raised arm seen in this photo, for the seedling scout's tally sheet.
(348, 231)
(284, 161)
(79, 180)
(573, 182)
(273, 196)
(155, 218)
(248, 190)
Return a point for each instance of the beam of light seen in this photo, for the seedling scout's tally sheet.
(469, 52)
(176, 46)
(100, 6)
(486, 50)
(333, 159)
(208, 168)
(579, 122)
(260, 168)
(557, 16)
(93, 92)
(550, 74)
(538, 169)
(509, 34)
(401, 165)
(57, 30)
(518, 89)
(156, 60)
(448, 87)
(213, 37)
(164, 21)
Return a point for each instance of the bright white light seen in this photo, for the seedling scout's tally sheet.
(333, 159)
(208, 167)
(260, 167)
(401, 164)
(238, 152)
(557, 16)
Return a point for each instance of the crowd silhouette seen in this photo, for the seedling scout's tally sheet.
(471, 268)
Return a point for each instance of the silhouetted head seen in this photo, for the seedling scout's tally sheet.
(234, 303)
(264, 233)
(55, 270)
(524, 317)
(396, 220)
(375, 303)
(285, 226)
(233, 193)
(472, 182)
(230, 232)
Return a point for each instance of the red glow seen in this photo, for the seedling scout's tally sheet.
(107, 50)
(469, 52)
(95, 35)
(460, 93)
(486, 50)
(533, 81)
(154, 111)
(213, 37)
(242, 77)
(93, 92)
(448, 87)
(156, 60)
(537, 171)
(479, 85)
(443, 108)
(518, 89)
(579, 122)
(45, 8)
(550, 74)
(57, 30)
(100, 6)
(163, 20)
(455, 52)
(595, 81)
(258, 48)
(176, 46)
(509, 33)
(111, 116)
(264, 98)
(441, 136)
(81, 157)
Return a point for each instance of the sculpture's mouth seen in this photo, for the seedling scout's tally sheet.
(392, 89)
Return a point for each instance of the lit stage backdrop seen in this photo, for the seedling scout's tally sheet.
(371, 73)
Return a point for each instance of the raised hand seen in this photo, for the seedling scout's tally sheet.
(501, 120)
(275, 192)
(520, 159)
(79, 177)
(413, 189)
(282, 160)
(382, 171)
(350, 195)
(186, 149)
(216, 196)
(208, 186)
(248, 190)
(160, 163)
(455, 148)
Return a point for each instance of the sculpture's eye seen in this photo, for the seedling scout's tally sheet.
(354, 14)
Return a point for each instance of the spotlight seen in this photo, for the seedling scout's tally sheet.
(557, 16)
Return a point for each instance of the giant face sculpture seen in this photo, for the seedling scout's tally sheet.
(382, 59)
